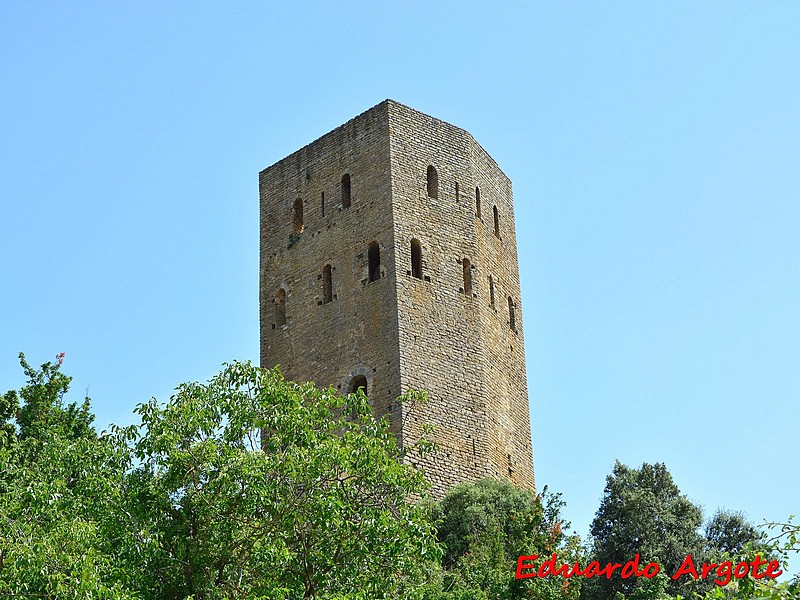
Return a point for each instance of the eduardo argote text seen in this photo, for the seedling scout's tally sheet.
(723, 572)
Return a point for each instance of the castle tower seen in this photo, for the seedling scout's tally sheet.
(389, 262)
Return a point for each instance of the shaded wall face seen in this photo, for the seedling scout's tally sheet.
(454, 343)
(335, 325)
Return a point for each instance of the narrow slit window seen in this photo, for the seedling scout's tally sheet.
(467, 277)
(496, 221)
(280, 307)
(327, 284)
(374, 256)
(457, 194)
(346, 197)
(478, 202)
(433, 182)
(491, 291)
(416, 259)
(322, 203)
(297, 215)
(512, 320)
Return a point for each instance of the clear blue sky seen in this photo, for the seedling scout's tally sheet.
(654, 150)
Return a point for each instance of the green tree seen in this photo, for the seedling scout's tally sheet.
(254, 487)
(246, 487)
(643, 512)
(57, 481)
(780, 543)
(485, 527)
(729, 532)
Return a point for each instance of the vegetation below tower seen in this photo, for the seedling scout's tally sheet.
(250, 486)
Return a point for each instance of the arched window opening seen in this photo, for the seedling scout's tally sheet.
(297, 215)
(359, 382)
(433, 182)
(416, 259)
(457, 194)
(496, 221)
(478, 202)
(491, 291)
(346, 198)
(512, 321)
(280, 307)
(467, 277)
(327, 284)
(374, 255)
(322, 203)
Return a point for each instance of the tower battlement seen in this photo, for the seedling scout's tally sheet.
(389, 262)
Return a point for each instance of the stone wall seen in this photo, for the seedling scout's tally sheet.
(355, 333)
(406, 329)
(454, 344)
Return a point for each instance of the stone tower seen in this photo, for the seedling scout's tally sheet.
(389, 262)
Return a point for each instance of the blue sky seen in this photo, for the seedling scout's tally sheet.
(653, 149)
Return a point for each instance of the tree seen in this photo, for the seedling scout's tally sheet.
(246, 487)
(42, 412)
(251, 486)
(729, 532)
(485, 527)
(781, 543)
(643, 512)
(57, 480)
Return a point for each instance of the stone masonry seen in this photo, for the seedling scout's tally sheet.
(389, 262)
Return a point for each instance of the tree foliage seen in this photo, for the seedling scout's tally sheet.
(729, 532)
(57, 479)
(485, 527)
(251, 486)
(42, 412)
(778, 541)
(246, 487)
(643, 512)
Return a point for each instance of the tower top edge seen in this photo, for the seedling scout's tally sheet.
(378, 108)
(388, 109)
